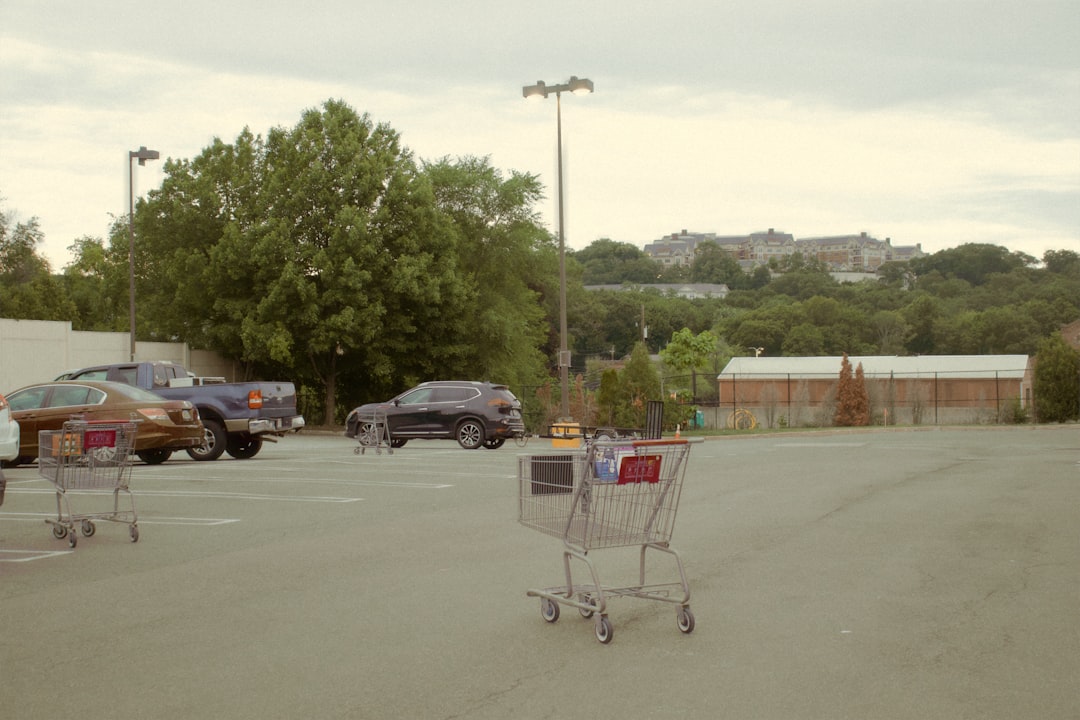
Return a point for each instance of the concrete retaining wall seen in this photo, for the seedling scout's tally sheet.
(34, 351)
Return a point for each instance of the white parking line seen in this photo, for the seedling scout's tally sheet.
(206, 522)
(28, 555)
(156, 520)
(248, 496)
(209, 494)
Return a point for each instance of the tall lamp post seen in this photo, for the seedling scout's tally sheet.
(142, 155)
(578, 86)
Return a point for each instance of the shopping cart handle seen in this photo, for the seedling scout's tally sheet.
(661, 441)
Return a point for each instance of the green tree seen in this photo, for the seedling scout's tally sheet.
(28, 290)
(973, 262)
(503, 255)
(607, 262)
(1062, 262)
(804, 340)
(687, 351)
(638, 383)
(713, 264)
(97, 283)
(1057, 381)
(891, 330)
(323, 252)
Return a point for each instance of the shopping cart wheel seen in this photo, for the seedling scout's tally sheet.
(590, 601)
(549, 609)
(59, 532)
(88, 528)
(685, 619)
(73, 540)
(134, 531)
(604, 631)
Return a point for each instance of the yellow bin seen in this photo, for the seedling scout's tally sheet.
(566, 434)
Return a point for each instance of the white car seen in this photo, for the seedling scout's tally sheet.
(9, 439)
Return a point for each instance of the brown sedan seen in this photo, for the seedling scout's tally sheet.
(164, 425)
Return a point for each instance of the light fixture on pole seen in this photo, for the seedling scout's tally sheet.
(142, 155)
(578, 86)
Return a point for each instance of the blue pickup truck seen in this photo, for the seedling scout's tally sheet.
(238, 417)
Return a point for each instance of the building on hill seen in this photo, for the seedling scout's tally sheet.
(917, 390)
(690, 291)
(850, 253)
(856, 253)
(677, 248)
(765, 246)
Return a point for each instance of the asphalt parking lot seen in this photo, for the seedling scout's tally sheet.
(884, 574)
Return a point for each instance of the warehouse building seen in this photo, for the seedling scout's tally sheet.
(917, 390)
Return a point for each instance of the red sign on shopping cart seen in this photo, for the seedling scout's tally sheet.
(640, 468)
(99, 439)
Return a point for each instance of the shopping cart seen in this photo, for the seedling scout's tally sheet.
(614, 494)
(93, 457)
(373, 431)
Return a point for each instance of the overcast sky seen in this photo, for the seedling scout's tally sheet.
(933, 122)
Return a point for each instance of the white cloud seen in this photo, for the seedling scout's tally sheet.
(933, 123)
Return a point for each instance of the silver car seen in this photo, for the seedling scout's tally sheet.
(9, 440)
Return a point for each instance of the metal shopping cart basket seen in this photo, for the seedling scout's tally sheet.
(373, 431)
(614, 494)
(92, 457)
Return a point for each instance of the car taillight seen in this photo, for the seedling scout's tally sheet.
(255, 399)
(3, 402)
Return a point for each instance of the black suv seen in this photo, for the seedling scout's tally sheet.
(473, 413)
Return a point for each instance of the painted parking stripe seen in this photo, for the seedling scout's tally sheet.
(248, 496)
(210, 494)
(145, 520)
(14, 556)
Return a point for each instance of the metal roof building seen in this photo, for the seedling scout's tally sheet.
(910, 390)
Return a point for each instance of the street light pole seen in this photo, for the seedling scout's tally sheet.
(578, 86)
(142, 155)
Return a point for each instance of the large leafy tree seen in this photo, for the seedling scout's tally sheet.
(607, 262)
(713, 264)
(688, 352)
(973, 262)
(505, 260)
(638, 384)
(319, 251)
(28, 290)
(1057, 381)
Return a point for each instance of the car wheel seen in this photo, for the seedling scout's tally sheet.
(494, 443)
(214, 443)
(155, 456)
(470, 434)
(367, 434)
(243, 447)
(398, 443)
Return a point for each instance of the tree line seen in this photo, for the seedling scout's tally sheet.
(327, 254)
